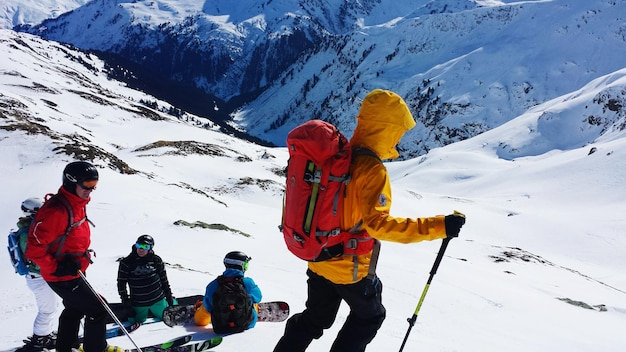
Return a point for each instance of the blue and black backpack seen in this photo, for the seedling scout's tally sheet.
(16, 254)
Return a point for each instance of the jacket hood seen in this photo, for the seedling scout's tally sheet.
(382, 121)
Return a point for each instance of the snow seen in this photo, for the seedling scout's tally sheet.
(15, 12)
(541, 227)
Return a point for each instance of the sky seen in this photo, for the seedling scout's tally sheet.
(543, 224)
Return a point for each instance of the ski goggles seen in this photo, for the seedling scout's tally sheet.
(143, 246)
(88, 185)
(27, 211)
(241, 263)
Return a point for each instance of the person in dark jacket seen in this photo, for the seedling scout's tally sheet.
(144, 273)
(60, 258)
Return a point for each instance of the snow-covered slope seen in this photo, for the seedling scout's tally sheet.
(538, 266)
(16, 12)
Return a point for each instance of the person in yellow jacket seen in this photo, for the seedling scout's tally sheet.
(382, 121)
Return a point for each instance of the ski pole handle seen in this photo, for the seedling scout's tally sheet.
(442, 251)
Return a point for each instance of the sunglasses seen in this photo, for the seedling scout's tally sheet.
(88, 185)
(143, 246)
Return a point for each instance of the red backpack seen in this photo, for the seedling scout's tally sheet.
(317, 174)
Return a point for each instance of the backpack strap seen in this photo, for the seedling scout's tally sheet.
(70, 226)
(364, 151)
(313, 175)
(371, 272)
(360, 151)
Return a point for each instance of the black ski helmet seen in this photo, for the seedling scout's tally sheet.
(237, 260)
(78, 172)
(146, 239)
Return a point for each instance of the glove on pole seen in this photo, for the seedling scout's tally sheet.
(108, 309)
(433, 271)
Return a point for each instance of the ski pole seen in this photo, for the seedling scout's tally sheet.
(108, 309)
(433, 271)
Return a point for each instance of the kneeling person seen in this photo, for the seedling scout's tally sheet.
(144, 273)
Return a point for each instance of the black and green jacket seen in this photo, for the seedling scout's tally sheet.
(146, 278)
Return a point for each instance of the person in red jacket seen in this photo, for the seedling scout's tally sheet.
(61, 255)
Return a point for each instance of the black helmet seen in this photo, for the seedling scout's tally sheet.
(78, 172)
(31, 205)
(145, 239)
(237, 260)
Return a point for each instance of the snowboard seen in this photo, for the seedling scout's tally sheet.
(275, 311)
(116, 330)
(123, 313)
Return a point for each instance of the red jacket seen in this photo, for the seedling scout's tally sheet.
(51, 221)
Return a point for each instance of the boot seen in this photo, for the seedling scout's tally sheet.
(109, 348)
(38, 343)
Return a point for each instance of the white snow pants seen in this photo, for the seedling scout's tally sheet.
(47, 305)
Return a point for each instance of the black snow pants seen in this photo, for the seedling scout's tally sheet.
(79, 301)
(324, 297)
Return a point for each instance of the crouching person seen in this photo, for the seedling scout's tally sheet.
(229, 301)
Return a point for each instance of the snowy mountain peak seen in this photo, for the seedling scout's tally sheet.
(464, 67)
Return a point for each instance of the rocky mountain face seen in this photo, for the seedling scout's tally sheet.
(262, 67)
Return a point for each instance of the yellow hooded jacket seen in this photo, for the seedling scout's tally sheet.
(382, 121)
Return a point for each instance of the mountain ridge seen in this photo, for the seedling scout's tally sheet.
(464, 67)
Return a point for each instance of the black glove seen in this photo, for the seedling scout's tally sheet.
(454, 222)
(69, 266)
(170, 300)
(126, 302)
